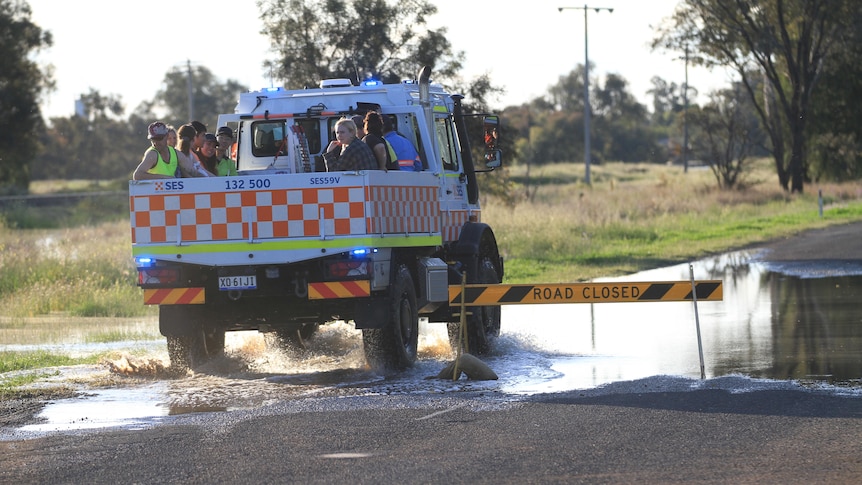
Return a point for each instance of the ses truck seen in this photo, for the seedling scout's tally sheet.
(286, 245)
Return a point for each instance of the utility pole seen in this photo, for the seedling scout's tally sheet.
(685, 116)
(585, 8)
(191, 90)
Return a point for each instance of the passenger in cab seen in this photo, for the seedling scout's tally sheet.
(374, 139)
(347, 152)
(161, 161)
(406, 156)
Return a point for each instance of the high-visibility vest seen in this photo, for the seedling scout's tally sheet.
(393, 163)
(163, 167)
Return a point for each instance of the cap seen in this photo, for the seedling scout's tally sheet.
(211, 137)
(224, 131)
(157, 129)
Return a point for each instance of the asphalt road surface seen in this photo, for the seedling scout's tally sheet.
(770, 436)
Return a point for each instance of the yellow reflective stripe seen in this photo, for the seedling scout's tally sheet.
(215, 247)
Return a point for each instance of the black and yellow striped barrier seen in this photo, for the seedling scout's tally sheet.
(484, 295)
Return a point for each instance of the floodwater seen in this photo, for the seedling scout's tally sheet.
(794, 321)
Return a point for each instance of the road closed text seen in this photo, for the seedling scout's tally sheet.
(597, 292)
(586, 292)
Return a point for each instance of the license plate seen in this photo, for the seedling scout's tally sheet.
(227, 283)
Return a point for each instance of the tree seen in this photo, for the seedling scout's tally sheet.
(621, 130)
(95, 144)
(667, 101)
(354, 39)
(836, 134)
(787, 40)
(21, 83)
(210, 97)
(727, 133)
(373, 39)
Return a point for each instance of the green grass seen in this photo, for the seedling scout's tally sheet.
(84, 271)
(37, 359)
(119, 335)
(11, 384)
(15, 386)
(633, 217)
(638, 216)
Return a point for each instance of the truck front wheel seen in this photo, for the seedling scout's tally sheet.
(394, 346)
(483, 323)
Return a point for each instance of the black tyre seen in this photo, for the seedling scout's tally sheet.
(186, 351)
(483, 323)
(293, 339)
(394, 346)
(191, 343)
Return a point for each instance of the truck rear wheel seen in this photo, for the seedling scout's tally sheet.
(191, 343)
(483, 323)
(293, 339)
(394, 346)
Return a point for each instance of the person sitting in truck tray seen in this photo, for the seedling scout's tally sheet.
(224, 141)
(186, 135)
(373, 124)
(406, 156)
(346, 152)
(161, 161)
(207, 153)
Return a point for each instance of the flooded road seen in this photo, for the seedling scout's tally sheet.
(797, 321)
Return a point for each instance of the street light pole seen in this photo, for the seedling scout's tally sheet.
(685, 116)
(585, 8)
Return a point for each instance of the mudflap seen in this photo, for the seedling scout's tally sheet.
(371, 312)
(179, 320)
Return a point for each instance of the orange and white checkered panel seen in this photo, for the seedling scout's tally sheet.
(284, 213)
(223, 216)
(402, 210)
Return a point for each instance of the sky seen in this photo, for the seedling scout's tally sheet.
(126, 48)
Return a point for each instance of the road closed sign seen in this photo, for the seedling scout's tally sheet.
(482, 295)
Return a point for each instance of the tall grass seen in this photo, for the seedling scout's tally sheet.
(633, 217)
(84, 271)
(640, 216)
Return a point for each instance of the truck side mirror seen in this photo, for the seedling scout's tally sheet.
(493, 155)
(493, 159)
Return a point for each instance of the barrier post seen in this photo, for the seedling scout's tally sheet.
(696, 320)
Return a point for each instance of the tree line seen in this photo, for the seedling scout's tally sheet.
(793, 100)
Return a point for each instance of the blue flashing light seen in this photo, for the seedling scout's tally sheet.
(143, 261)
(359, 252)
(272, 89)
(372, 82)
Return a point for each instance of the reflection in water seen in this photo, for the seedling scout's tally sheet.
(816, 331)
(788, 321)
(781, 321)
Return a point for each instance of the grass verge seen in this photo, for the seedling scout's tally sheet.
(638, 216)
